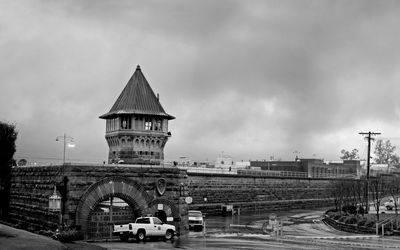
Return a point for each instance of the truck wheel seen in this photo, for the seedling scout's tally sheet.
(124, 238)
(141, 235)
(169, 234)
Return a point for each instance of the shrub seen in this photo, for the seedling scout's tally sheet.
(350, 209)
(69, 235)
(362, 222)
(351, 220)
(331, 214)
(369, 223)
(342, 218)
(337, 217)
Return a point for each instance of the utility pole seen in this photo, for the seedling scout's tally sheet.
(368, 136)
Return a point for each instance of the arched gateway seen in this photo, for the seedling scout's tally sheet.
(126, 189)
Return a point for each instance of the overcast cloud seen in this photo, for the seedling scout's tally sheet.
(251, 78)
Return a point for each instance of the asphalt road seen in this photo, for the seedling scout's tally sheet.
(302, 230)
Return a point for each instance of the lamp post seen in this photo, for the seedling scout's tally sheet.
(63, 187)
(65, 140)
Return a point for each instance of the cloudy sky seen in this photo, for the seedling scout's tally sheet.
(252, 79)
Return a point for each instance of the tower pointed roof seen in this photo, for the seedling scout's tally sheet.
(137, 98)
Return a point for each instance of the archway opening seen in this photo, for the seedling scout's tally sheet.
(163, 212)
(106, 213)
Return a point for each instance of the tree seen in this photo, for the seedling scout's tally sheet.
(378, 187)
(8, 136)
(384, 153)
(22, 162)
(394, 191)
(346, 155)
(347, 193)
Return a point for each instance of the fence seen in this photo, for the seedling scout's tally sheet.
(273, 173)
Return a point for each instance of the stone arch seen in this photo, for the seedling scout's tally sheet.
(171, 204)
(129, 190)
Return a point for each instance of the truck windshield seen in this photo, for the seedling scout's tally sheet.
(195, 214)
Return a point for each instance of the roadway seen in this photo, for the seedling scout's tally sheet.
(303, 229)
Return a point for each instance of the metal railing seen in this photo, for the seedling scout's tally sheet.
(273, 173)
(209, 170)
(385, 222)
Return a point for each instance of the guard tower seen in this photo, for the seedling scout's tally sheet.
(137, 125)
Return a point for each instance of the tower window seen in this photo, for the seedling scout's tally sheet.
(125, 122)
(157, 125)
(148, 125)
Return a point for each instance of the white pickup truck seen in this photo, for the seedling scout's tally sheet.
(144, 227)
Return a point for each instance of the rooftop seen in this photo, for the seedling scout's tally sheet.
(137, 98)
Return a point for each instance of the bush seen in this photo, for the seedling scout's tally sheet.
(337, 217)
(68, 235)
(350, 209)
(362, 222)
(369, 223)
(350, 220)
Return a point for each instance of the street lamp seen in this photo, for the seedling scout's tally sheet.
(55, 201)
(67, 142)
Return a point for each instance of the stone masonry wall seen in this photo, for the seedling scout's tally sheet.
(253, 193)
(31, 188)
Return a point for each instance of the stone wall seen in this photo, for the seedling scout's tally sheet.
(31, 188)
(253, 193)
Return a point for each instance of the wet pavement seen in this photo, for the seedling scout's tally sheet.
(302, 229)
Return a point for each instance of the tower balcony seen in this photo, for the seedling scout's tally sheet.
(138, 133)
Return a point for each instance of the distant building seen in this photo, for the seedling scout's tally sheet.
(224, 161)
(379, 169)
(313, 167)
(227, 162)
(137, 125)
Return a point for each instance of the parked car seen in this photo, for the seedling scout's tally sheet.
(144, 227)
(196, 221)
(389, 204)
